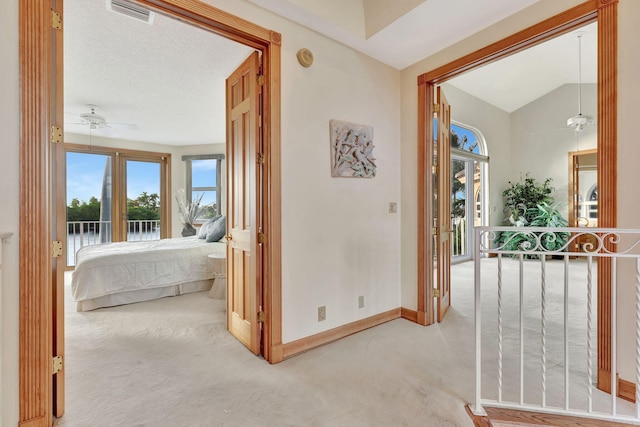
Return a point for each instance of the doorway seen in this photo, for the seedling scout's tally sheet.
(42, 124)
(606, 17)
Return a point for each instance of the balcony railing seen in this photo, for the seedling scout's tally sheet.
(459, 244)
(536, 321)
(86, 233)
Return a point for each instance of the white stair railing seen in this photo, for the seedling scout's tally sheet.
(534, 318)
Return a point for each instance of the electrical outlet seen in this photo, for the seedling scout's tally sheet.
(393, 207)
(322, 313)
(361, 301)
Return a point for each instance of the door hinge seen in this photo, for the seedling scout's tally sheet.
(435, 293)
(260, 158)
(434, 231)
(56, 248)
(56, 20)
(260, 79)
(260, 237)
(434, 170)
(56, 134)
(261, 316)
(436, 108)
(57, 365)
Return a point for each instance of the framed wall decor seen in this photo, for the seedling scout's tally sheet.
(352, 150)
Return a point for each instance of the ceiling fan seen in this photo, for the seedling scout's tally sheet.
(97, 121)
(580, 121)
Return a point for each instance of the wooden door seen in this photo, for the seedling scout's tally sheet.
(57, 166)
(243, 251)
(442, 238)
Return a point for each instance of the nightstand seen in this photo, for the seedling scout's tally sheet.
(219, 288)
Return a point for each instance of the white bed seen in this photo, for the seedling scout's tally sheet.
(128, 272)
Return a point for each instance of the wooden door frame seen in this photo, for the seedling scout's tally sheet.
(605, 12)
(37, 198)
(571, 202)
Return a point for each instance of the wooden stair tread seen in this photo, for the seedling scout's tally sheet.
(500, 417)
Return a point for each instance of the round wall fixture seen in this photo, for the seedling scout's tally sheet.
(305, 57)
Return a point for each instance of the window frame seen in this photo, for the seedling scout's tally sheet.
(470, 158)
(189, 189)
(119, 158)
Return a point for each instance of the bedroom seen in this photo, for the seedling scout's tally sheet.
(128, 136)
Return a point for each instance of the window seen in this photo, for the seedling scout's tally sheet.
(593, 202)
(468, 171)
(203, 181)
(115, 195)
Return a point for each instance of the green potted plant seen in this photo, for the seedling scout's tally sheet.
(522, 199)
(531, 204)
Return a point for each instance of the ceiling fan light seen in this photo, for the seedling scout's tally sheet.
(93, 119)
(578, 122)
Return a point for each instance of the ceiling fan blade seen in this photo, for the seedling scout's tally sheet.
(69, 113)
(121, 126)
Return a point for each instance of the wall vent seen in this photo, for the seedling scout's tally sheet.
(131, 10)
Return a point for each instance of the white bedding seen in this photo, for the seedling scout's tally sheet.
(125, 272)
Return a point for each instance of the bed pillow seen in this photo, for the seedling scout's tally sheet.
(217, 229)
(204, 228)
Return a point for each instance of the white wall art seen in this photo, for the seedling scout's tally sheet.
(352, 150)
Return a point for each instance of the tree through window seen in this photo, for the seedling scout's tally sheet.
(468, 160)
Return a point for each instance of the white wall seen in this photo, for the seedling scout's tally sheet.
(9, 219)
(541, 140)
(628, 171)
(338, 239)
(178, 168)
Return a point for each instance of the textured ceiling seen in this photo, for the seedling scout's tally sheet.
(167, 78)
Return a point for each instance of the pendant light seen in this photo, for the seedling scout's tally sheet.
(579, 122)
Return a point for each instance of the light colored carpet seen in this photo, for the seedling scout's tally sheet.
(170, 362)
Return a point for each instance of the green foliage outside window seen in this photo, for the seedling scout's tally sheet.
(145, 207)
